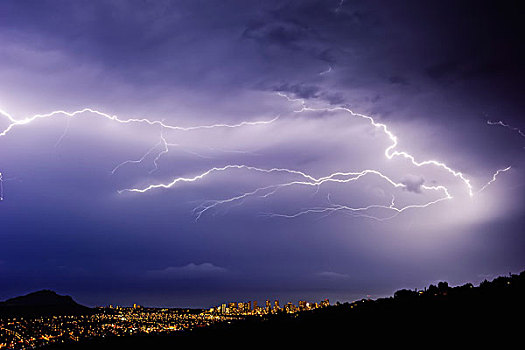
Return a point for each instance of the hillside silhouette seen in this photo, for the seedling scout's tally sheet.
(436, 316)
(41, 303)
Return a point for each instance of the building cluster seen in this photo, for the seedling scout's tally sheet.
(251, 308)
(29, 333)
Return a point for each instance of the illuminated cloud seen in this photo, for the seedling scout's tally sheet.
(192, 270)
(333, 275)
(413, 183)
(297, 133)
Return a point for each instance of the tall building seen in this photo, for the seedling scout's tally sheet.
(232, 307)
(244, 307)
(276, 304)
(290, 308)
(302, 305)
(268, 305)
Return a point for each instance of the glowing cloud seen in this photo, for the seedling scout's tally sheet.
(336, 177)
(301, 178)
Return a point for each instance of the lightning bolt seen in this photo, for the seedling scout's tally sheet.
(165, 149)
(13, 122)
(390, 151)
(1, 187)
(494, 178)
(326, 71)
(272, 189)
(500, 123)
(18, 122)
(357, 211)
(141, 158)
(304, 179)
(63, 134)
(337, 177)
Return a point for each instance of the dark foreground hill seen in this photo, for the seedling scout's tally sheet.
(439, 316)
(41, 303)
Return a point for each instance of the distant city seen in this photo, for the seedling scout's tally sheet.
(23, 332)
(46, 319)
(251, 308)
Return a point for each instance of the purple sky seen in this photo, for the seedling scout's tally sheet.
(260, 149)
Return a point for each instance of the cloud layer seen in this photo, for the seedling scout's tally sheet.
(433, 73)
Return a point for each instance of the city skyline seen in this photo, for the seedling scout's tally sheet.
(39, 325)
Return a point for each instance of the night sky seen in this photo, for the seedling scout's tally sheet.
(245, 150)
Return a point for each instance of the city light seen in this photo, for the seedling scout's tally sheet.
(19, 333)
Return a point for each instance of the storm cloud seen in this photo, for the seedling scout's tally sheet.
(297, 136)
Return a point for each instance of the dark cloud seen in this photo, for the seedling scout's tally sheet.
(443, 70)
(432, 71)
(398, 80)
(335, 98)
(285, 34)
(413, 183)
(299, 90)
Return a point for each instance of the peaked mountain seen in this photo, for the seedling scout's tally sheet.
(41, 303)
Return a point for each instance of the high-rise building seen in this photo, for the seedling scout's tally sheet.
(276, 304)
(302, 305)
(244, 307)
(290, 308)
(268, 305)
(232, 307)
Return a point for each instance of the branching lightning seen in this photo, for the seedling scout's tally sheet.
(300, 178)
(267, 191)
(500, 123)
(18, 122)
(494, 178)
(390, 151)
(165, 149)
(337, 177)
(141, 158)
(358, 211)
(64, 133)
(13, 122)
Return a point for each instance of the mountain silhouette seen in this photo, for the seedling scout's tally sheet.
(41, 303)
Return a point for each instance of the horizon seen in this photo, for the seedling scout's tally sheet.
(184, 153)
(283, 302)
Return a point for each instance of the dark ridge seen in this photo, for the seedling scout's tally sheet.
(41, 303)
(440, 316)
